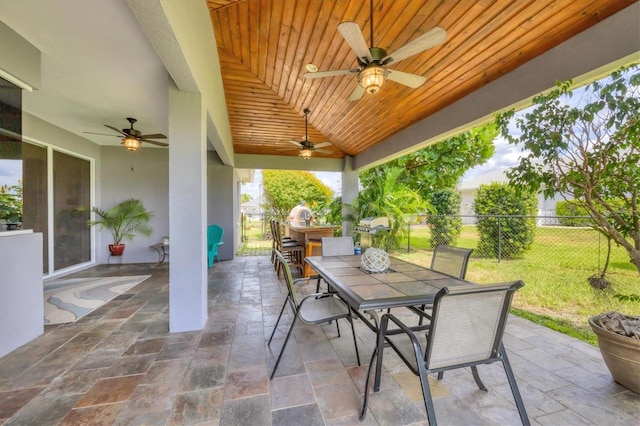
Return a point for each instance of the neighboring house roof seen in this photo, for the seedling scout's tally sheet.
(485, 178)
(251, 206)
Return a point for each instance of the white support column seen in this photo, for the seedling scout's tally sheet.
(187, 211)
(349, 194)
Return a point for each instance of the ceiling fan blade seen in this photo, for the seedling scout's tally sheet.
(287, 149)
(324, 151)
(153, 142)
(103, 134)
(296, 143)
(411, 80)
(353, 36)
(357, 93)
(330, 73)
(117, 130)
(427, 40)
(322, 144)
(154, 136)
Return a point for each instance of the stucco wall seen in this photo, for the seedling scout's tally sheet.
(221, 206)
(143, 174)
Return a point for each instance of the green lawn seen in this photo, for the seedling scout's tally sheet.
(554, 271)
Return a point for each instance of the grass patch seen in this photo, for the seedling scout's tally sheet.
(561, 326)
(555, 272)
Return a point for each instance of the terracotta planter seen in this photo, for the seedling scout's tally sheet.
(116, 249)
(621, 355)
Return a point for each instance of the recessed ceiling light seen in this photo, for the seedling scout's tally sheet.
(311, 68)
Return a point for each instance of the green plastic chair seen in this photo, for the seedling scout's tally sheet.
(214, 239)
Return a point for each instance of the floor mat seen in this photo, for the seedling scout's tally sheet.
(67, 300)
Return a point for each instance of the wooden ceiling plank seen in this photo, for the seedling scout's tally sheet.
(277, 10)
(235, 26)
(254, 36)
(319, 27)
(301, 29)
(263, 38)
(283, 43)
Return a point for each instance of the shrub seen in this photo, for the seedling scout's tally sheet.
(569, 213)
(445, 228)
(504, 232)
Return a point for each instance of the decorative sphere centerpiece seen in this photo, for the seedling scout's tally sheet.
(375, 260)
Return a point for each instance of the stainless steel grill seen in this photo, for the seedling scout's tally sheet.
(369, 227)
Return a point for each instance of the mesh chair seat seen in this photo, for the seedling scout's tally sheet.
(323, 309)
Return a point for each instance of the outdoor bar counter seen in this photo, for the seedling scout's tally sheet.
(21, 297)
(303, 234)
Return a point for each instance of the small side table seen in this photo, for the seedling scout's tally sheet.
(116, 261)
(162, 250)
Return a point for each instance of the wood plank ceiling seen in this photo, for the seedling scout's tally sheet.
(264, 46)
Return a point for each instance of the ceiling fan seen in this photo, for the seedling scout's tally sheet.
(133, 138)
(307, 147)
(372, 62)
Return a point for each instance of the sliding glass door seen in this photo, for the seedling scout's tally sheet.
(71, 190)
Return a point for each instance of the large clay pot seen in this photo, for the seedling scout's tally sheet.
(116, 249)
(621, 354)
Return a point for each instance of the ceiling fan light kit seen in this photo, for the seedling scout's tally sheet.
(306, 147)
(133, 138)
(131, 143)
(372, 61)
(371, 78)
(305, 153)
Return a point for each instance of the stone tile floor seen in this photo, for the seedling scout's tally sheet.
(120, 365)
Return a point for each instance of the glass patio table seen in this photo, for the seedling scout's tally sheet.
(404, 284)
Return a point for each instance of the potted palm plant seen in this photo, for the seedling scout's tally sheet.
(124, 221)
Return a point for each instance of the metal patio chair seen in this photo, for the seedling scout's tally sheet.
(291, 250)
(451, 260)
(465, 330)
(315, 308)
(335, 246)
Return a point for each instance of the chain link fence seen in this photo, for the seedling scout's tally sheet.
(556, 241)
(561, 239)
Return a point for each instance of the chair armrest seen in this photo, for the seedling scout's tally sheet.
(402, 327)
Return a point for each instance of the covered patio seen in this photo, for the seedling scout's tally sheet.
(188, 345)
(120, 365)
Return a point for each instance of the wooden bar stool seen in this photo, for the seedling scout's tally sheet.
(313, 248)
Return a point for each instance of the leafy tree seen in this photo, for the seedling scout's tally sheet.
(284, 189)
(440, 165)
(244, 197)
(445, 224)
(420, 174)
(504, 232)
(11, 203)
(390, 196)
(589, 151)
